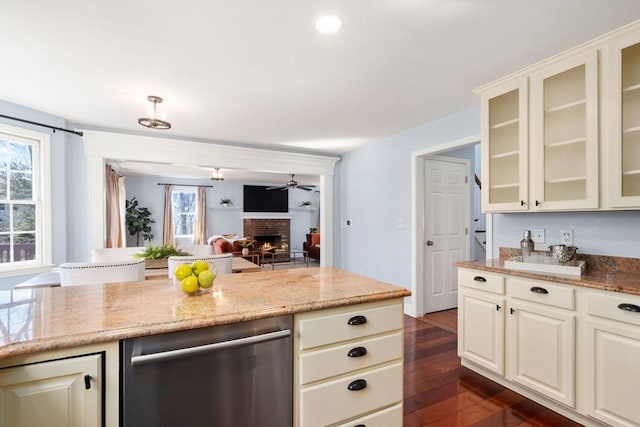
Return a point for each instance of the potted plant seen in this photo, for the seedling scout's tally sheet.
(138, 221)
(313, 230)
(307, 204)
(245, 246)
(225, 202)
(156, 256)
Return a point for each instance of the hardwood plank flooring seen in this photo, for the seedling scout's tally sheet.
(438, 391)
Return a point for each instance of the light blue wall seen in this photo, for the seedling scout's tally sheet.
(373, 189)
(221, 220)
(601, 233)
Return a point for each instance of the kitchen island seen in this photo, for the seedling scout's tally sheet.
(58, 323)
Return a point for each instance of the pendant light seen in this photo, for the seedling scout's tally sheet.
(153, 122)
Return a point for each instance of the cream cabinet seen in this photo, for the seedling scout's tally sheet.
(623, 60)
(564, 134)
(541, 338)
(571, 348)
(505, 139)
(481, 305)
(75, 387)
(348, 366)
(613, 358)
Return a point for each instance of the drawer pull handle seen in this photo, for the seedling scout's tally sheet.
(357, 385)
(360, 425)
(357, 352)
(87, 382)
(357, 320)
(479, 279)
(539, 290)
(629, 307)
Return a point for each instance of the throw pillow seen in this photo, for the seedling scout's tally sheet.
(315, 239)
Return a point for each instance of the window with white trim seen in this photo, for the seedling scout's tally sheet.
(183, 206)
(25, 214)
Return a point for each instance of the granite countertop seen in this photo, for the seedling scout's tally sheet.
(616, 274)
(35, 320)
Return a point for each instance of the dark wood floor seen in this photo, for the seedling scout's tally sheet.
(438, 391)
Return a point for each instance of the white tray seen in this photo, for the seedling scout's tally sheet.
(542, 264)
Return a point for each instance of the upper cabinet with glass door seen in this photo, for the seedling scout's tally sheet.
(624, 120)
(564, 135)
(504, 147)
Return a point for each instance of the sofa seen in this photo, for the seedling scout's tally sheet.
(312, 245)
(224, 245)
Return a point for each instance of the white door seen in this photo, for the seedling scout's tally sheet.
(446, 222)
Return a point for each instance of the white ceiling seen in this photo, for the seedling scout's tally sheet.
(257, 73)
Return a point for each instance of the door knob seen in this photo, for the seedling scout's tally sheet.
(429, 243)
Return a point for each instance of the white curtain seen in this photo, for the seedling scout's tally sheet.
(116, 210)
(168, 216)
(200, 232)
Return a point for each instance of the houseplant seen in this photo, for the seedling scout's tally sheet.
(138, 221)
(225, 202)
(157, 256)
(313, 230)
(245, 246)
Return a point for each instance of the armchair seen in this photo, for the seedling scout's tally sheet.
(312, 245)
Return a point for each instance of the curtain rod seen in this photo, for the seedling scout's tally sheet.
(55, 128)
(186, 185)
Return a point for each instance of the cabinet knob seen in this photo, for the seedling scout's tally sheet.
(629, 307)
(357, 385)
(511, 311)
(357, 352)
(357, 320)
(538, 203)
(522, 203)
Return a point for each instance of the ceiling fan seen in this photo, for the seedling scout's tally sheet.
(291, 185)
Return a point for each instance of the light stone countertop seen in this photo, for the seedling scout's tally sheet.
(625, 281)
(35, 320)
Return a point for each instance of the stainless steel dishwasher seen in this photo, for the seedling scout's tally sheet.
(222, 376)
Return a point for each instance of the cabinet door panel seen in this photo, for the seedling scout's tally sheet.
(623, 62)
(504, 147)
(564, 135)
(613, 370)
(541, 348)
(481, 330)
(52, 394)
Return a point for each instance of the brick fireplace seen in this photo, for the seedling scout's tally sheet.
(274, 231)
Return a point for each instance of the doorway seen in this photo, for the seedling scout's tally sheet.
(416, 304)
(446, 229)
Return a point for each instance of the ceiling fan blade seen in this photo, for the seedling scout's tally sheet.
(284, 188)
(305, 188)
(276, 188)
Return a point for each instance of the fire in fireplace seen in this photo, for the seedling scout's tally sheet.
(268, 242)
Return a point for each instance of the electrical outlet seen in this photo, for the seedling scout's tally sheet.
(538, 235)
(566, 237)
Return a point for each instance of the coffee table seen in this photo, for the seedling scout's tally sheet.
(292, 255)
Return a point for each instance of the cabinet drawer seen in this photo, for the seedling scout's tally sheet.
(329, 362)
(385, 418)
(542, 292)
(615, 307)
(481, 280)
(330, 402)
(335, 327)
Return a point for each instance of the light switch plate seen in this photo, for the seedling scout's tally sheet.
(537, 235)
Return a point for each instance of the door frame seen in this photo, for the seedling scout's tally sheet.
(467, 217)
(414, 304)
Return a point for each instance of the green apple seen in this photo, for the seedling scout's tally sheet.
(190, 284)
(182, 271)
(199, 266)
(205, 279)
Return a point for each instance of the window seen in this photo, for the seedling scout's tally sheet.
(24, 236)
(183, 206)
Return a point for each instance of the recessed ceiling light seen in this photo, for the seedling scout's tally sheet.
(328, 24)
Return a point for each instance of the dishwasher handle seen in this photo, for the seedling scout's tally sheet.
(143, 359)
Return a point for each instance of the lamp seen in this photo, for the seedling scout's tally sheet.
(217, 176)
(153, 122)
